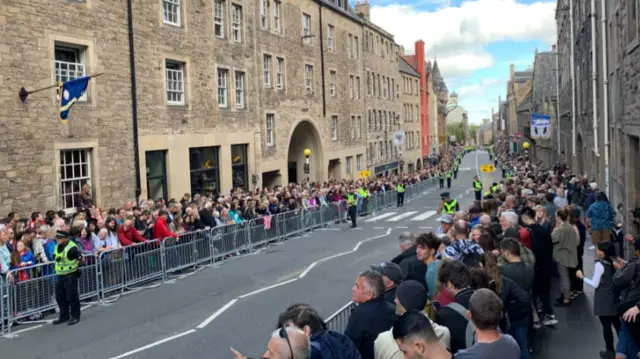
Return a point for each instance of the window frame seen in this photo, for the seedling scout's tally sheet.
(280, 68)
(240, 89)
(222, 87)
(168, 89)
(237, 17)
(177, 10)
(270, 119)
(82, 180)
(218, 18)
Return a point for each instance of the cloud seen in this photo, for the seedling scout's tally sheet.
(456, 35)
(479, 88)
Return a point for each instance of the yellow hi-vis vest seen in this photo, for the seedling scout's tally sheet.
(363, 193)
(63, 265)
(495, 188)
(400, 188)
(352, 200)
(477, 185)
(450, 207)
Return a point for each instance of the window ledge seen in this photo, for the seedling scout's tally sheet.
(633, 45)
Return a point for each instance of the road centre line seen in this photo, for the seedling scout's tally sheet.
(264, 289)
(154, 344)
(216, 314)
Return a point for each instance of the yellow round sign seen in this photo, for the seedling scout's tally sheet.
(525, 145)
(307, 152)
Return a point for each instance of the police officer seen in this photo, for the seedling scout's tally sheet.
(477, 187)
(455, 169)
(67, 259)
(449, 174)
(400, 190)
(448, 205)
(352, 202)
(442, 176)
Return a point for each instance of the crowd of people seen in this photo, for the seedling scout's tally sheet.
(481, 285)
(28, 244)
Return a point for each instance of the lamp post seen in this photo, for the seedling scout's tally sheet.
(307, 153)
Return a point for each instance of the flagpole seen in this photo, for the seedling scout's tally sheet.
(23, 93)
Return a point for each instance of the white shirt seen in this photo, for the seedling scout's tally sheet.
(598, 271)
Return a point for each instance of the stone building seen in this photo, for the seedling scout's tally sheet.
(623, 110)
(410, 120)
(442, 94)
(457, 116)
(518, 87)
(433, 113)
(565, 98)
(228, 95)
(381, 63)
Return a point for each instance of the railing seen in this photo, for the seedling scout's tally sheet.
(338, 320)
(108, 274)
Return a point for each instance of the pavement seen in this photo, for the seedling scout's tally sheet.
(237, 304)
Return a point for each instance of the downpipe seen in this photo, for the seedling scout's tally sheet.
(594, 77)
(573, 82)
(605, 94)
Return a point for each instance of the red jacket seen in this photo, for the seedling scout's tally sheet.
(161, 231)
(129, 237)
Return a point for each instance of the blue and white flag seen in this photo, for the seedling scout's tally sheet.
(70, 93)
(540, 126)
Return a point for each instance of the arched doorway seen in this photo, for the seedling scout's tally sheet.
(579, 154)
(419, 164)
(305, 135)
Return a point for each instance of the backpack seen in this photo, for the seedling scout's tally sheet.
(334, 345)
(470, 333)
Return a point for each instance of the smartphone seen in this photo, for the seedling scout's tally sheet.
(436, 305)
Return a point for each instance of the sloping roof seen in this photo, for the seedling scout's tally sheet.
(526, 104)
(438, 80)
(544, 77)
(349, 12)
(404, 66)
(523, 76)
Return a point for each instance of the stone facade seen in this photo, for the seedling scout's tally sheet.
(411, 124)
(622, 33)
(229, 94)
(434, 124)
(518, 87)
(42, 162)
(382, 86)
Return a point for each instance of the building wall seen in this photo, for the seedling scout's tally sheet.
(411, 123)
(101, 127)
(33, 171)
(434, 117)
(426, 137)
(382, 102)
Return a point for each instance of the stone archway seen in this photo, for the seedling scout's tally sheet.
(419, 164)
(305, 135)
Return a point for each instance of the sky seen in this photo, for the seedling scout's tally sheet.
(473, 41)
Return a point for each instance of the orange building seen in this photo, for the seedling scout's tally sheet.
(418, 62)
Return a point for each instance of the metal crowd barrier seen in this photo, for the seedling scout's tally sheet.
(338, 320)
(108, 274)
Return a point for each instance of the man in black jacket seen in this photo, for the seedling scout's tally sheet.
(206, 215)
(412, 267)
(455, 278)
(372, 316)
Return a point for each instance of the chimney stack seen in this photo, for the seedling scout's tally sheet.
(512, 71)
(362, 9)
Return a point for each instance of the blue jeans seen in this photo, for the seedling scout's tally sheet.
(519, 333)
(627, 345)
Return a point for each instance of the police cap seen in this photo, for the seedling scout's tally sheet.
(444, 194)
(61, 234)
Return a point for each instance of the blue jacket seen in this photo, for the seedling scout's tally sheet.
(328, 344)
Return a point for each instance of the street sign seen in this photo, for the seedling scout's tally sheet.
(365, 174)
(487, 168)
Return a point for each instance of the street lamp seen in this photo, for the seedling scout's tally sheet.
(307, 153)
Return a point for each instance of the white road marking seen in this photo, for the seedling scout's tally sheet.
(328, 229)
(306, 271)
(423, 216)
(426, 227)
(264, 289)
(402, 227)
(378, 227)
(465, 169)
(401, 216)
(25, 329)
(154, 344)
(376, 218)
(216, 314)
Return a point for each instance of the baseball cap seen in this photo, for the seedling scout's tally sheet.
(446, 218)
(389, 270)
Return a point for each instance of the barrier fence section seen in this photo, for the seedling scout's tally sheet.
(107, 274)
(338, 320)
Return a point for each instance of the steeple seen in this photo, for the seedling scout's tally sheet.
(438, 80)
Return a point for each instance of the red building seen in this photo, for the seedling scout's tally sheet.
(419, 64)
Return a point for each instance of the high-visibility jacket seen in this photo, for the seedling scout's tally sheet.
(352, 200)
(450, 207)
(400, 188)
(477, 185)
(363, 193)
(449, 174)
(62, 264)
(443, 175)
(495, 188)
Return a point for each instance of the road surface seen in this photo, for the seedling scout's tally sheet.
(237, 304)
